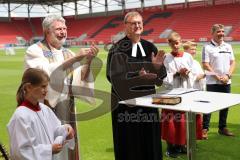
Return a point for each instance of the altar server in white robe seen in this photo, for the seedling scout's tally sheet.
(34, 130)
(178, 64)
(180, 75)
(198, 73)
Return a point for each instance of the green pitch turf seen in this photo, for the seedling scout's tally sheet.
(95, 135)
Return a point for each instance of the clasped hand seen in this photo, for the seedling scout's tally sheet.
(222, 78)
(89, 53)
(184, 72)
(56, 148)
(146, 75)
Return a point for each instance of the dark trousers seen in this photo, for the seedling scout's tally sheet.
(223, 113)
(136, 137)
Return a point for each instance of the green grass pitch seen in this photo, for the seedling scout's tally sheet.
(95, 135)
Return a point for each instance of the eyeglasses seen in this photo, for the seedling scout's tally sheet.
(135, 23)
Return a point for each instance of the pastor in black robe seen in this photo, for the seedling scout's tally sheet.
(136, 130)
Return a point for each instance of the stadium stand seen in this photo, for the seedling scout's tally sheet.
(192, 23)
(195, 23)
(36, 26)
(23, 27)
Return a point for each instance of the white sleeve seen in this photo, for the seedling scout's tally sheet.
(34, 58)
(191, 74)
(205, 55)
(232, 55)
(83, 89)
(58, 129)
(24, 144)
(187, 62)
(197, 69)
(52, 121)
(170, 70)
(55, 124)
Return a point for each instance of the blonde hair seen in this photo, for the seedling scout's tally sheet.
(216, 27)
(187, 45)
(131, 14)
(173, 37)
(33, 76)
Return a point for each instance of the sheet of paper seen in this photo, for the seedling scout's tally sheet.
(178, 91)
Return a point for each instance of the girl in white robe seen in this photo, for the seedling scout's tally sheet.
(34, 130)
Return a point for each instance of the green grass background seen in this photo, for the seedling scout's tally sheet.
(96, 134)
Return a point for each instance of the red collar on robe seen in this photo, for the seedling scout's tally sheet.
(29, 105)
(177, 54)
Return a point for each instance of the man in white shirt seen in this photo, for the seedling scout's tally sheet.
(218, 59)
(60, 64)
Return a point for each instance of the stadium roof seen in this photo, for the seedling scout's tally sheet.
(47, 2)
(40, 8)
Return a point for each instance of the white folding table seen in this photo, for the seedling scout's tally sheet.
(193, 102)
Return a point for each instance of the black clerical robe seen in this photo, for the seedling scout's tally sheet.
(136, 130)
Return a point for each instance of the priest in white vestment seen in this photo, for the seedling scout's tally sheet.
(50, 56)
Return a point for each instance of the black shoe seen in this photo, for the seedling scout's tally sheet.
(171, 154)
(181, 149)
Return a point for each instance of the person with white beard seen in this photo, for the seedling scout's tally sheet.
(66, 79)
